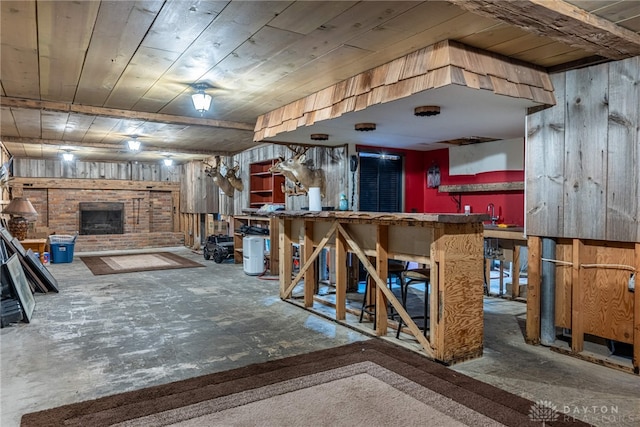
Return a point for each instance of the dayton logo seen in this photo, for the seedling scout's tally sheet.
(543, 411)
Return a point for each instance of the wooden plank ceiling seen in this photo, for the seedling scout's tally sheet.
(88, 75)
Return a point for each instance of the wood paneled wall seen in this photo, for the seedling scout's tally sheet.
(333, 161)
(583, 156)
(54, 168)
(198, 193)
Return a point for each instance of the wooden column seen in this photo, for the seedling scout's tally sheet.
(382, 267)
(341, 277)
(533, 290)
(286, 256)
(577, 311)
(310, 277)
(515, 272)
(457, 328)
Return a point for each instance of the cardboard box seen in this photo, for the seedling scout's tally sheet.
(216, 227)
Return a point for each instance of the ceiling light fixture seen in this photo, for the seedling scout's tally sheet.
(365, 127)
(67, 157)
(201, 100)
(168, 162)
(319, 137)
(134, 144)
(427, 110)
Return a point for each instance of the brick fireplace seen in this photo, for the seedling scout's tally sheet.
(119, 218)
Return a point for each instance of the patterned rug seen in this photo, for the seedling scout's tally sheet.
(370, 383)
(114, 264)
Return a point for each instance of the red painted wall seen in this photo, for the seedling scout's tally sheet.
(509, 205)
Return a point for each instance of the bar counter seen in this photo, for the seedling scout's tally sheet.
(451, 245)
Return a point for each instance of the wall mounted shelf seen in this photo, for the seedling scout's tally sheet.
(471, 188)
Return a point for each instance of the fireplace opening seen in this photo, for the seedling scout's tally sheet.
(102, 218)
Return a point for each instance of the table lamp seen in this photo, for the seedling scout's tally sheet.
(21, 210)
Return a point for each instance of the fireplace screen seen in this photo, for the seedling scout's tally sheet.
(102, 218)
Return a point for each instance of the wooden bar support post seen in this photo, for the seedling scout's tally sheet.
(515, 272)
(310, 277)
(382, 267)
(341, 277)
(286, 257)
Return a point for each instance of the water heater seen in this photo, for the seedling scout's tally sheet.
(253, 255)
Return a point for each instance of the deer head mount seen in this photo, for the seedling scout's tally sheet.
(227, 182)
(300, 171)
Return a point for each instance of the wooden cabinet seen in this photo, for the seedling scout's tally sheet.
(264, 186)
(256, 221)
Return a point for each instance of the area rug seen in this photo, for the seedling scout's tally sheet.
(370, 383)
(114, 264)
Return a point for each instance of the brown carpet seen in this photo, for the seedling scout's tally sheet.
(365, 383)
(105, 264)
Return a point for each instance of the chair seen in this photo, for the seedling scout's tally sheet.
(394, 269)
(411, 277)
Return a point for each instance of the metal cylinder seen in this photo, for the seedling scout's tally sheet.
(548, 293)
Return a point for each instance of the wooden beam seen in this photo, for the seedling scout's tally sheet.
(563, 22)
(64, 107)
(93, 184)
(147, 147)
(533, 290)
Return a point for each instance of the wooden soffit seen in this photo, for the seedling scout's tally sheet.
(444, 63)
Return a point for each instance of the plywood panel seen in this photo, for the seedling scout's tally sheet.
(544, 172)
(460, 290)
(563, 284)
(586, 153)
(623, 150)
(608, 304)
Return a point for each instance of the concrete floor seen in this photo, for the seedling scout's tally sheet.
(107, 334)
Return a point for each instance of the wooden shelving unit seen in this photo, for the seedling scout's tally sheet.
(264, 186)
(257, 221)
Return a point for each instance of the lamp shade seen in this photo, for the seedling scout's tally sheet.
(20, 206)
(201, 101)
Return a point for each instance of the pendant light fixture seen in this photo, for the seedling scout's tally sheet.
(201, 100)
(133, 143)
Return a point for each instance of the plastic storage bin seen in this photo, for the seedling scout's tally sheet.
(62, 247)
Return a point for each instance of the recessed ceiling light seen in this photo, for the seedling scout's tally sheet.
(365, 127)
(427, 110)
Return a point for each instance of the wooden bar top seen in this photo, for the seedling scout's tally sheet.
(508, 233)
(384, 217)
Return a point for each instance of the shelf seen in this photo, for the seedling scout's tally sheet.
(472, 188)
(264, 186)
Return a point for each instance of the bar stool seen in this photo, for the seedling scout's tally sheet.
(394, 269)
(411, 277)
